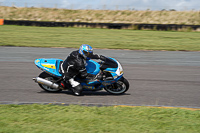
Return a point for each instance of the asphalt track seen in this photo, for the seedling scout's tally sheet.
(157, 78)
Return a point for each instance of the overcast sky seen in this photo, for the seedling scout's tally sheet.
(108, 4)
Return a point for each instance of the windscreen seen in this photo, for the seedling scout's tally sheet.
(109, 63)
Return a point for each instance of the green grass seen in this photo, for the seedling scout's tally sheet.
(82, 119)
(98, 38)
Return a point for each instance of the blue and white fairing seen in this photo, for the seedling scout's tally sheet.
(50, 66)
(115, 72)
(94, 68)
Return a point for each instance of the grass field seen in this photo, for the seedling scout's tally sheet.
(98, 38)
(81, 119)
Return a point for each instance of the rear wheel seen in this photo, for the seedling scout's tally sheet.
(120, 87)
(48, 77)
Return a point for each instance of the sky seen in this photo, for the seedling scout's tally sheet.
(108, 4)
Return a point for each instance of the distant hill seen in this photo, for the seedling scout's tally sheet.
(101, 16)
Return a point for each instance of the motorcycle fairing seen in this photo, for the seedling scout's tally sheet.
(51, 66)
(115, 72)
(92, 67)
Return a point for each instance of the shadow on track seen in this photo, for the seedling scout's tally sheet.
(85, 93)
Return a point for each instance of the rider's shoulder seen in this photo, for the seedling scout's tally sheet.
(74, 52)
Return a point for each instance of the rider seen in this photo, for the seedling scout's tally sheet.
(75, 65)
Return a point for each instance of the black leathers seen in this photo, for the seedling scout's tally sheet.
(75, 65)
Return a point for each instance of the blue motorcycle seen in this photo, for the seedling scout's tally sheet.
(106, 75)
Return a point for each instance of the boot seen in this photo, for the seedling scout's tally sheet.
(77, 90)
(76, 87)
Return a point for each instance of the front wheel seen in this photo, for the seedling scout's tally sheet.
(48, 77)
(120, 87)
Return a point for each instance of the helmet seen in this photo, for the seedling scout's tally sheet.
(86, 51)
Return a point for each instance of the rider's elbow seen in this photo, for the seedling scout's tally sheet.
(84, 74)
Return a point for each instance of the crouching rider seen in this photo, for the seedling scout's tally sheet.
(75, 65)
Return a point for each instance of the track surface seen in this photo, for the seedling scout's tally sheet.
(156, 78)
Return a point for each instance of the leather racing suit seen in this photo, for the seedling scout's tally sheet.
(74, 65)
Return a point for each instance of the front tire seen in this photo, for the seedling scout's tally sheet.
(48, 77)
(120, 87)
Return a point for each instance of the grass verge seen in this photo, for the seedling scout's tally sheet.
(98, 38)
(74, 118)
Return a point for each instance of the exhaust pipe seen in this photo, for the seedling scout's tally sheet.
(46, 82)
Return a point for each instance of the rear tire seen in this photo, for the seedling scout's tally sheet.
(120, 87)
(48, 77)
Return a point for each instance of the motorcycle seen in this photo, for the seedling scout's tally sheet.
(107, 75)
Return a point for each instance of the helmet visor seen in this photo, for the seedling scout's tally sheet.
(88, 53)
